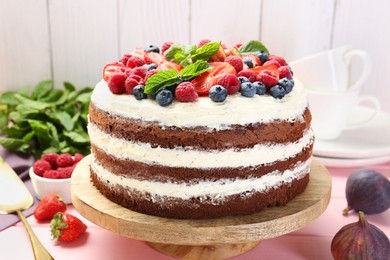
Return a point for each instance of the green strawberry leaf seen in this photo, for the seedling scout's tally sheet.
(161, 80)
(195, 69)
(206, 51)
(252, 47)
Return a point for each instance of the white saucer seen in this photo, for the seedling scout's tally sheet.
(369, 141)
(346, 163)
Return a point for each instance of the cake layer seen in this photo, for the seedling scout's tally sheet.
(236, 110)
(204, 199)
(131, 168)
(183, 157)
(237, 136)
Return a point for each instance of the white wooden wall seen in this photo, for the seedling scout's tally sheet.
(71, 40)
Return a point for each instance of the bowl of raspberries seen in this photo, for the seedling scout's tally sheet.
(52, 173)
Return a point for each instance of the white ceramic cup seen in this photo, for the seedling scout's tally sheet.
(331, 70)
(331, 110)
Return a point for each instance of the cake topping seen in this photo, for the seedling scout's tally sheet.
(201, 67)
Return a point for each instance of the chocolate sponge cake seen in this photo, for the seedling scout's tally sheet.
(200, 158)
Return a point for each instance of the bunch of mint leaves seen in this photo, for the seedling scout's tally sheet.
(49, 120)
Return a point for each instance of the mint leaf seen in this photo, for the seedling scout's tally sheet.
(252, 47)
(175, 49)
(161, 80)
(206, 51)
(195, 69)
(42, 89)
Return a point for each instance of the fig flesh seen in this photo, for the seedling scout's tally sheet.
(360, 240)
(367, 191)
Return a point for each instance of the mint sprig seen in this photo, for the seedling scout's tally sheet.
(167, 78)
(252, 47)
(160, 80)
(189, 54)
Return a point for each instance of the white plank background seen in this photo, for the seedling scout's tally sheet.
(71, 40)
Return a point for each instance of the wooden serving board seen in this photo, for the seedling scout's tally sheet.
(197, 239)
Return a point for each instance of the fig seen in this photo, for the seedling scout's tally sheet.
(368, 191)
(360, 240)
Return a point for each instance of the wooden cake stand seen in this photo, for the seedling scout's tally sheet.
(202, 239)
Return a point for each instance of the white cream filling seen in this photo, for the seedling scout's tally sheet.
(214, 190)
(179, 157)
(204, 112)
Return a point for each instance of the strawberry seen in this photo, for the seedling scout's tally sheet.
(112, 68)
(153, 57)
(166, 46)
(66, 227)
(48, 207)
(269, 62)
(167, 65)
(255, 60)
(203, 42)
(219, 56)
(41, 166)
(271, 67)
(206, 80)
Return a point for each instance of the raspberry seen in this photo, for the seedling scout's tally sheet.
(50, 158)
(77, 157)
(52, 174)
(166, 46)
(41, 166)
(203, 42)
(65, 172)
(116, 83)
(269, 78)
(272, 62)
(64, 160)
(279, 59)
(284, 72)
(134, 62)
(150, 73)
(139, 71)
(186, 92)
(236, 62)
(248, 74)
(230, 82)
(130, 84)
(125, 58)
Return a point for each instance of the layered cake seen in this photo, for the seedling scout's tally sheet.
(200, 131)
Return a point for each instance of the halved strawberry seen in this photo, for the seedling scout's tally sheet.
(206, 80)
(271, 67)
(139, 53)
(112, 68)
(255, 60)
(166, 65)
(233, 52)
(154, 57)
(219, 56)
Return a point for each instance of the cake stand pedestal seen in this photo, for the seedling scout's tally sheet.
(207, 238)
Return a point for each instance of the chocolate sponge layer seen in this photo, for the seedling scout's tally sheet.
(237, 136)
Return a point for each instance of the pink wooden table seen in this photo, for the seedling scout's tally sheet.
(311, 242)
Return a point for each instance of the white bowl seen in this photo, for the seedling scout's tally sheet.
(44, 186)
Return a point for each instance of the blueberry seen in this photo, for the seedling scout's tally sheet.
(218, 93)
(164, 97)
(291, 71)
(287, 84)
(243, 79)
(247, 89)
(277, 92)
(260, 88)
(248, 63)
(263, 56)
(150, 66)
(152, 48)
(138, 92)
